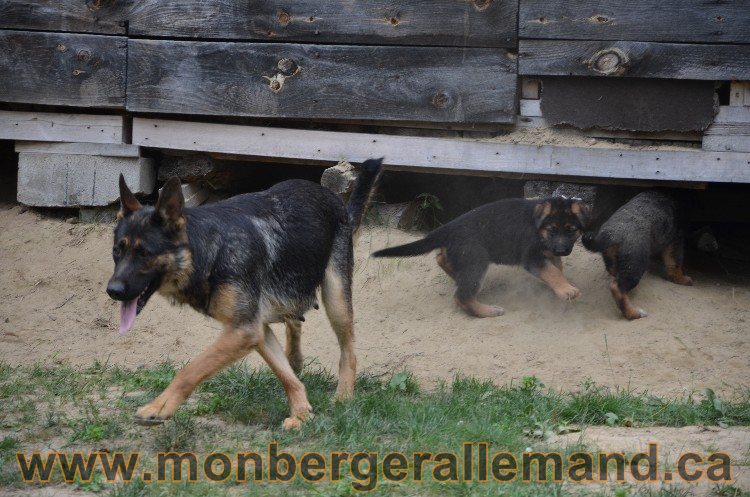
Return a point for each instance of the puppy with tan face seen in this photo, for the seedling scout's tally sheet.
(529, 233)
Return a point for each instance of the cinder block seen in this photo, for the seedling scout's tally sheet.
(340, 178)
(193, 194)
(71, 180)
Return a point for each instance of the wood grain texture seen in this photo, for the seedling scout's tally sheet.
(634, 59)
(62, 69)
(321, 81)
(699, 21)
(81, 16)
(59, 127)
(443, 154)
(730, 131)
(477, 23)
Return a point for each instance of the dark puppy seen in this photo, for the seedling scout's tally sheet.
(648, 225)
(248, 261)
(530, 233)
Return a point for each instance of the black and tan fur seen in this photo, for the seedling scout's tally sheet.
(248, 261)
(530, 233)
(649, 225)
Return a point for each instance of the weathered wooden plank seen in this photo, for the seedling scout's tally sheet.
(441, 154)
(628, 103)
(739, 93)
(321, 81)
(48, 126)
(634, 59)
(530, 108)
(477, 23)
(81, 16)
(730, 131)
(631, 136)
(79, 148)
(62, 69)
(724, 21)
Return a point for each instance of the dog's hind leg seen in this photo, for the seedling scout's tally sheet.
(631, 266)
(232, 344)
(672, 256)
(294, 345)
(445, 265)
(271, 352)
(470, 270)
(336, 292)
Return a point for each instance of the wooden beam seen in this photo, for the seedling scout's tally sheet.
(739, 93)
(65, 15)
(634, 59)
(48, 126)
(62, 69)
(322, 81)
(78, 148)
(445, 155)
(474, 23)
(540, 122)
(730, 130)
(692, 21)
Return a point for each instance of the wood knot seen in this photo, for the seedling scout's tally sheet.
(284, 17)
(441, 100)
(609, 61)
(83, 55)
(481, 5)
(394, 21)
(61, 48)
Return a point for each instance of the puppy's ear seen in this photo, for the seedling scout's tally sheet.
(541, 211)
(128, 203)
(582, 211)
(171, 203)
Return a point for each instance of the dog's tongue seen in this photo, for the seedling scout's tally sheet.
(127, 315)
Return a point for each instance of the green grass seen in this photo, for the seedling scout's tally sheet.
(242, 409)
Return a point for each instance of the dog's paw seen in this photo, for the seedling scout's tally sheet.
(151, 415)
(685, 280)
(294, 422)
(568, 292)
(636, 313)
(493, 311)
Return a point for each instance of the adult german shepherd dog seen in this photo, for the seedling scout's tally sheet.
(650, 225)
(530, 233)
(247, 261)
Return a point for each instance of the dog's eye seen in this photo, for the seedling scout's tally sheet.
(571, 229)
(116, 251)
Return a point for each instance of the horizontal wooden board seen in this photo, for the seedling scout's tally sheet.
(79, 148)
(62, 69)
(628, 103)
(695, 21)
(443, 154)
(81, 16)
(634, 59)
(473, 23)
(730, 131)
(322, 81)
(60, 127)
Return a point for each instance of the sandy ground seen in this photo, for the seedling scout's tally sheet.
(53, 308)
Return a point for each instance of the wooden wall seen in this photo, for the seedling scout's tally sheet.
(437, 61)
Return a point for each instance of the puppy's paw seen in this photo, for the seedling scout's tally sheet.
(685, 280)
(636, 313)
(152, 414)
(294, 422)
(567, 292)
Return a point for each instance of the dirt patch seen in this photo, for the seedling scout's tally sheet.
(53, 308)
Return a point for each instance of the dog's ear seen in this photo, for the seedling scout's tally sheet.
(582, 211)
(171, 203)
(541, 211)
(128, 203)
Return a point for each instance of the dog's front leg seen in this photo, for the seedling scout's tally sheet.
(233, 344)
(554, 278)
(271, 352)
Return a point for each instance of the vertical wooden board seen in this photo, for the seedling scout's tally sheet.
(322, 81)
(472, 23)
(81, 16)
(634, 59)
(62, 69)
(724, 21)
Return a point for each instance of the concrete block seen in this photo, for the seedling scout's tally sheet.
(340, 178)
(71, 180)
(193, 194)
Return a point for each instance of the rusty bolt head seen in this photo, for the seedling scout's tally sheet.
(284, 17)
(286, 65)
(61, 47)
(441, 100)
(394, 21)
(83, 55)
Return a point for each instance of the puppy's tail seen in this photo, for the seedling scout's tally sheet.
(432, 241)
(359, 199)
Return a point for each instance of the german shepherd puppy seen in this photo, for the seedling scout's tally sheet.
(530, 233)
(247, 261)
(649, 225)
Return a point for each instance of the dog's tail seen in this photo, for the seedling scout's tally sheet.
(432, 241)
(363, 187)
